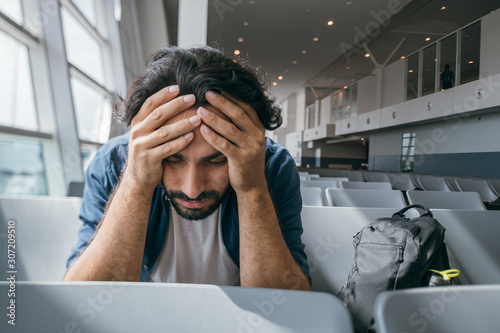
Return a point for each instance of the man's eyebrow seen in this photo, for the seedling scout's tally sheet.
(178, 156)
(211, 157)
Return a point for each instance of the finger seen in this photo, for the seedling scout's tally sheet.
(238, 115)
(152, 102)
(159, 153)
(250, 111)
(218, 142)
(164, 112)
(172, 131)
(221, 126)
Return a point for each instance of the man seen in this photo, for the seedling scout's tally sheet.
(195, 193)
(447, 77)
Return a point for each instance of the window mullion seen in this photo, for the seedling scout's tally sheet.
(18, 32)
(77, 14)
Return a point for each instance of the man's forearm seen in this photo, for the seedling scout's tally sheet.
(116, 251)
(265, 260)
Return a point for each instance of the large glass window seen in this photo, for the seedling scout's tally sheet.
(13, 9)
(469, 53)
(87, 47)
(21, 168)
(17, 103)
(334, 101)
(447, 59)
(412, 76)
(429, 70)
(311, 116)
(407, 152)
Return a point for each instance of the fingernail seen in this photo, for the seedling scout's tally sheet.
(204, 112)
(210, 94)
(189, 98)
(188, 136)
(195, 120)
(205, 129)
(173, 89)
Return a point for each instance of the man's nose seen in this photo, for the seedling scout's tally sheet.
(194, 182)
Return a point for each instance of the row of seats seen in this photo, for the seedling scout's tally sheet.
(488, 189)
(346, 197)
(46, 231)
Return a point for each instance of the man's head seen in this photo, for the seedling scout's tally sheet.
(446, 67)
(197, 177)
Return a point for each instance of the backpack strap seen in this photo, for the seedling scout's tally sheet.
(402, 212)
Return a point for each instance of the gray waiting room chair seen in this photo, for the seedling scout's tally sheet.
(328, 233)
(162, 307)
(311, 196)
(365, 198)
(433, 183)
(472, 239)
(446, 200)
(46, 230)
(366, 185)
(374, 176)
(477, 185)
(440, 309)
(401, 181)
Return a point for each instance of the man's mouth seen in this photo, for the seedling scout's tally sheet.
(193, 204)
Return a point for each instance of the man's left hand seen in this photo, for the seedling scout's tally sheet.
(242, 141)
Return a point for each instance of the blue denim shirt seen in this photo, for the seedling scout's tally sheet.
(103, 175)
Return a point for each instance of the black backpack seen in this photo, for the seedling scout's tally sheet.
(392, 253)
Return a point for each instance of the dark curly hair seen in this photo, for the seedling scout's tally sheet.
(196, 70)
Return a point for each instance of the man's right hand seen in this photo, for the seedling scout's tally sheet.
(151, 141)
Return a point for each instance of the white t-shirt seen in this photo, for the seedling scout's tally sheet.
(194, 252)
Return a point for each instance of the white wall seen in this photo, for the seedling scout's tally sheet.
(300, 115)
(490, 44)
(367, 88)
(393, 90)
(152, 25)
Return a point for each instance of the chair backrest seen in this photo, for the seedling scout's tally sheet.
(446, 309)
(355, 175)
(401, 181)
(311, 196)
(373, 176)
(477, 185)
(46, 230)
(366, 185)
(162, 307)
(415, 181)
(327, 236)
(323, 183)
(495, 186)
(433, 183)
(446, 200)
(472, 238)
(365, 198)
(451, 182)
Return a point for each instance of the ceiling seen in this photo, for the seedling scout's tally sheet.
(278, 36)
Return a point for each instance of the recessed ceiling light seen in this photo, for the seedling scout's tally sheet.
(348, 67)
(245, 23)
(252, 2)
(345, 87)
(294, 62)
(304, 51)
(240, 39)
(348, 3)
(330, 23)
(402, 57)
(471, 62)
(275, 84)
(367, 55)
(443, 8)
(435, 60)
(411, 71)
(236, 52)
(280, 77)
(427, 39)
(315, 39)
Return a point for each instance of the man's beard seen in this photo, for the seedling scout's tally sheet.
(193, 214)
